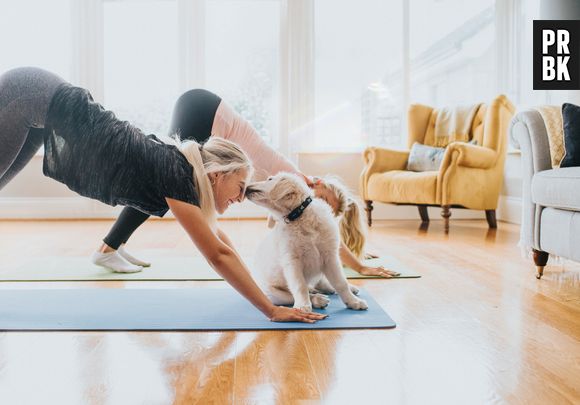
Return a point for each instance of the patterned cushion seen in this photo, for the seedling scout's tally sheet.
(552, 116)
(423, 158)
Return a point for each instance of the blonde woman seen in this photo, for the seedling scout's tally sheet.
(98, 156)
(201, 115)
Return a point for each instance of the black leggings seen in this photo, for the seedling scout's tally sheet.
(192, 118)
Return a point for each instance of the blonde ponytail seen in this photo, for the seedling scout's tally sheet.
(215, 155)
(353, 229)
(351, 223)
(193, 154)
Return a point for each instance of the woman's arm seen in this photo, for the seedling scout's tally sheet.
(227, 264)
(349, 260)
(225, 239)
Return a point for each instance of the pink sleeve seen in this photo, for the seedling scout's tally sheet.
(266, 160)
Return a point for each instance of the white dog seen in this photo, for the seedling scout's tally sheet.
(298, 263)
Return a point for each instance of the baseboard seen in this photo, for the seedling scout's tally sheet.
(510, 209)
(48, 208)
(84, 208)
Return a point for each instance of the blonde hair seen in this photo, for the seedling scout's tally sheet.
(351, 223)
(216, 155)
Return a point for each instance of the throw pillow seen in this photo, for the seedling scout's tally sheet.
(571, 121)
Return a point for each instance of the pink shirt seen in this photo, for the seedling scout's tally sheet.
(230, 125)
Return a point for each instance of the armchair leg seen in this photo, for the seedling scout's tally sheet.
(540, 259)
(369, 209)
(490, 216)
(446, 214)
(423, 213)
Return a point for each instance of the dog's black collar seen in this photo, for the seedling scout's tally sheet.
(297, 212)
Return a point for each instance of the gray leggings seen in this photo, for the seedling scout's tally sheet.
(25, 94)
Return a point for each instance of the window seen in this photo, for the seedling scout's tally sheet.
(141, 57)
(242, 60)
(452, 60)
(358, 60)
(358, 45)
(37, 40)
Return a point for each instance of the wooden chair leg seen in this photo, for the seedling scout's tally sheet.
(540, 259)
(446, 214)
(369, 209)
(491, 220)
(423, 213)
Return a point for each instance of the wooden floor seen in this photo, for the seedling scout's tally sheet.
(477, 328)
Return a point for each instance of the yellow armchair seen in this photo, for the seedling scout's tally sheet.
(470, 176)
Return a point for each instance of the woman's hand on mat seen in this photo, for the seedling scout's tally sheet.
(285, 314)
(377, 271)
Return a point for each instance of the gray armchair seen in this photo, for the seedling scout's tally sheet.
(551, 196)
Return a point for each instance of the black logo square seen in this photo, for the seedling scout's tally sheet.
(556, 54)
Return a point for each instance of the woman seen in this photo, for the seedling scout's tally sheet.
(201, 115)
(98, 156)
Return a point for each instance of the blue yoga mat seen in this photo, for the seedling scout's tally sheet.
(163, 309)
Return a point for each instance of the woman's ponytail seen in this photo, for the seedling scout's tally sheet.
(193, 152)
(216, 155)
(352, 229)
(351, 224)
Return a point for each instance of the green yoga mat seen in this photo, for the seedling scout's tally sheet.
(164, 268)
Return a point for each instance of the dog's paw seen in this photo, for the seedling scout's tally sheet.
(357, 304)
(353, 289)
(305, 307)
(319, 300)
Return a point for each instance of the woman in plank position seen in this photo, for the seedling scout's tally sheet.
(101, 157)
(200, 115)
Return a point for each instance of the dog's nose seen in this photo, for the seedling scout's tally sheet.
(249, 190)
